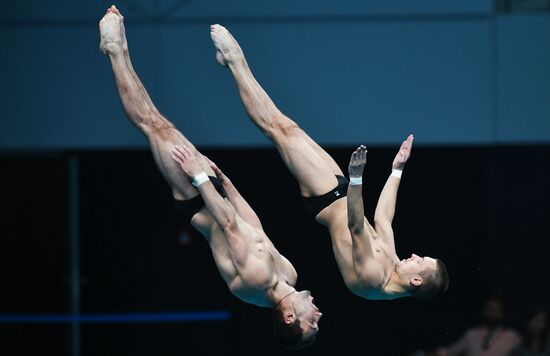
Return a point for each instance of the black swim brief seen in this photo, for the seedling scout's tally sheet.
(314, 205)
(188, 208)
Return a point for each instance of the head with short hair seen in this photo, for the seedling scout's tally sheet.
(295, 320)
(427, 276)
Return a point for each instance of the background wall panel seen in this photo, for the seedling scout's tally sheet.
(524, 78)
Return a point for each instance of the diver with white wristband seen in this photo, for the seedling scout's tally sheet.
(381, 274)
(250, 265)
(369, 272)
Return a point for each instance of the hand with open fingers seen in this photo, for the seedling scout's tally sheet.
(404, 153)
(186, 160)
(357, 162)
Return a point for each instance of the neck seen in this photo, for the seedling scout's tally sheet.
(396, 286)
(279, 292)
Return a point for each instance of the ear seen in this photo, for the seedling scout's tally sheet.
(416, 281)
(289, 318)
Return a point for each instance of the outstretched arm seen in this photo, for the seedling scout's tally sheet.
(361, 233)
(356, 214)
(235, 198)
(385, 209)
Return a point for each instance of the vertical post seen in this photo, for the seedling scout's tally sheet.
(75, 251)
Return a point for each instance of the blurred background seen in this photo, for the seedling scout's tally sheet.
(94, 259)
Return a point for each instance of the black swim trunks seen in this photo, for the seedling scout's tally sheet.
(314, 205)
(188, 208)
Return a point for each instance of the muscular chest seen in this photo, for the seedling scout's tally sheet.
(382, 252)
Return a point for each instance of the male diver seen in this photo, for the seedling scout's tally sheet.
(365, 254)
(249, 263)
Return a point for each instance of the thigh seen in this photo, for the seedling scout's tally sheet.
(307, 162)
(162, 140)
(324, 155)
(310, 170)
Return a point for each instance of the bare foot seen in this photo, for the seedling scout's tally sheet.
(227, 49)
(112, 34)
(122, 29)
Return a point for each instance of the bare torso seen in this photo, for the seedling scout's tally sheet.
(264, 268)
(369, 285)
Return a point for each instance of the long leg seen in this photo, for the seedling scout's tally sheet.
(160, 132)
(314, 169)
(312, 166)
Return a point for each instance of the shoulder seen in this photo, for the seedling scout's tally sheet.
(372, 276)
(291, 275)
(370, 290)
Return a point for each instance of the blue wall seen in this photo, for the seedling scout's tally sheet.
(524, 78)
(452, 73)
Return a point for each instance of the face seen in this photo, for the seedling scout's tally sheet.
(414, 265)
(307, 312)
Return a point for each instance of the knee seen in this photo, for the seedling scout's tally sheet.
(160, 128)
(281, 126)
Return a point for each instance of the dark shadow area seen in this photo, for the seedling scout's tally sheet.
(482, 210)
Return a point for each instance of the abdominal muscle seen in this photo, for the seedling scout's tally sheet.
(250, 281)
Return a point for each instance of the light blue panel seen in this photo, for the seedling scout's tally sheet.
(78, 10)
(68, 10)
(198, 95)
(344, 83)
(247, 8)
(524, 78)
(58, 90)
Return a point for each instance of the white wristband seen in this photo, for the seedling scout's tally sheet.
(396, 173)
(355, 180)
(200, 178)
